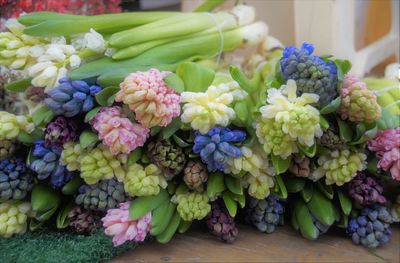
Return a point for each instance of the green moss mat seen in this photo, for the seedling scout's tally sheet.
(47, 246)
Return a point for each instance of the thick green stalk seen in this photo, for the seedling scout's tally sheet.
(39, 17)
(68, 27)
(208, 5)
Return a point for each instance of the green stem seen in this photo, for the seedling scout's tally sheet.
(208, 5)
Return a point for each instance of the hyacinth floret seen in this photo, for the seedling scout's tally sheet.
(144, 181)
(221, 224)
(265, 214)
(12, 125)
(13, 218)
(71, 97)
(366, 190)
(59, 131)
(72, 155)
(311, 73)
(152, 100)
(117, 131)
(16, 180)
(193, 206)
(216, 146)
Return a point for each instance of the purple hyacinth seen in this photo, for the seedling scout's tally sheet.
(215, 147)
(366, 190)
(311, 73)
(46, 164)
(71, 97)
(371, 228)
(60, 130)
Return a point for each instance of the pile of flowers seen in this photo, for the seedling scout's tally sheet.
(146, 149)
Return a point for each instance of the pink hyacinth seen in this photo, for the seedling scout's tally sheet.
(118, 224)
(349, 81)
(117, 131)
(390, 161)
(385, 141)
(146, 93)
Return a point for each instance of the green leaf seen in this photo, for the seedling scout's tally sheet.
(344, 65)
(322, 208)
(90, 115)
(372, 165)
(327, 190)
(175, 82)
(181, 143)
(307, 192)
(155, 130)
(42, 115)
(234, 184)
(323, 122)
(88, 138)
(244, 83)
(196, 77)
(30, 138)
(242, 111)
(103, 96)
(367, 135)
(44, 201)
(208, 5)
(181, 189)
(346, 133)
(135, 156)
(18, 85)
(72, 186)
(241, 199)
(332, 106)
(172, 128)
(294, 184)
(62, 217)
(230, 204)
(280, 165)
(282, 191)
(388, 120)
(215, 184)
(30, 157)
(308, 151)
(345, 203)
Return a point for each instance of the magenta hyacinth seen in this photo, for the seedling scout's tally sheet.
(117, 131)
(59, 131)
(122, 228)
(366, 190)
(146, 93)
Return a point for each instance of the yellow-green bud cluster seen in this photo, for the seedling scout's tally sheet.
(143, 181)
(72, 155)
(339, 166)
(11, 125)
(193, 206)
(259, 186)
(101, 164)
(13, 218)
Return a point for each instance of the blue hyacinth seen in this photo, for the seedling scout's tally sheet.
(311, 73)
(71, 97)
(47, 164)
(371, 227)
(16, 180)
(215, 147)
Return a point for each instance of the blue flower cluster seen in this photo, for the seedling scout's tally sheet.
(311, 73)
(216, 147)
(71, 97)
(371, 227)
(47, 164)
(16, 180)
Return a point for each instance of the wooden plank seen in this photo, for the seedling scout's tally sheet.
(284, 245)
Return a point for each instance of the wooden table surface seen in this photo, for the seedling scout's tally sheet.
(284, 245)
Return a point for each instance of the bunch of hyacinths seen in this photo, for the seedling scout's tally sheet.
(154, 103)
(193, 206)
(203, 110)
(59, 131)
(13, 218)
(265, 214)
(117, 131)
(331, 140)
(46, 164)
(83, 221)
(288, 121)
(216, 147)
(100, 163)
(300, 166)
(311, 73)
(195, 175)
(339, 166)
(144, 181)
(358, 104)
(168, 156)
(366, 190)
(12, 125)
(372, 227)
(386, 145)
(221, 224)
(7, 148)
(72, 155)
(71, 97)
(122, 228)
(104, 195)
(16, 180)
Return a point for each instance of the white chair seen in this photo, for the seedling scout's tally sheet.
(330, 25)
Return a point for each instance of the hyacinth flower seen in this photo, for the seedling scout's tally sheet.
(146, 93)
(358, 103)
(118, 224)
(203, 110)
(16, 179)
(386, 145)
(72, 155)
(14, 218)
(311, 73)
(11, 125)
(71, 97)
(60, 130)
(366, 190)
(144, 181)
(288, 120)
(216, 146)
(117, 131)
(193, 206)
